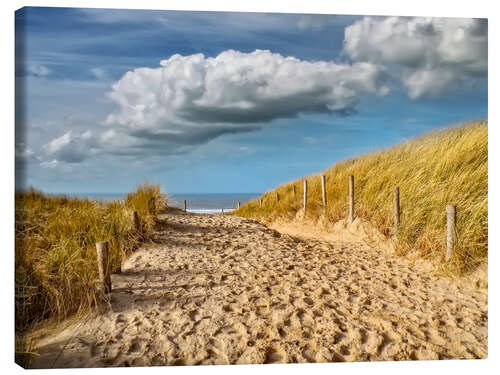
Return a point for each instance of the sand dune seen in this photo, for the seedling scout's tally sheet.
(224, 290)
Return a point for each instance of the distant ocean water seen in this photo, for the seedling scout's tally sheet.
(211, 203)
(197, 203)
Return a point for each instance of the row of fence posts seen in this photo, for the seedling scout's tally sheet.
(451, 216)
(450, 211)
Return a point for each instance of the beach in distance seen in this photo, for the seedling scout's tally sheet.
(202, 203)
(211, 202)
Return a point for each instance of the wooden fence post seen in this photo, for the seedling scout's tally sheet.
(103, 264)
(294, 191)
(136, 221)
(351, 199)
(260, 202)
(185, 205)
(239, 205)
(396, 209)
(323, 191)
(222, 211)
(305, 197)
(451, 216)
(277, 197)
(152, 206)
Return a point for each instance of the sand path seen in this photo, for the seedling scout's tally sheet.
(224, 290)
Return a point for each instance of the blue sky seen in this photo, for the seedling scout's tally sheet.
(251, 101)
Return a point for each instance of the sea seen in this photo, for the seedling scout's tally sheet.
(201, 203)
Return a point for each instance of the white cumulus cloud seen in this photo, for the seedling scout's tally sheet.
(191, 99)
(70, 147)
(37, 69)
(433, 53)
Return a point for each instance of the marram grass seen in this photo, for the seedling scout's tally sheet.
(440, 168)
(55, 256)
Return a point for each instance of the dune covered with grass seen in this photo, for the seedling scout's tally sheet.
(440, 168)
(55, 257)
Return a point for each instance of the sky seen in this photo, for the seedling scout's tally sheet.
(205, 102)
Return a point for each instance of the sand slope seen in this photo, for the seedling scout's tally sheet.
(225, 290)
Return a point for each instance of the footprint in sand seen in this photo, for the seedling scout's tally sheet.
(309, 301)
(275, 354)
(136, 346)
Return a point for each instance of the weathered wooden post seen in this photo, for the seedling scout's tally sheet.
(222, 211)
(305, 197)
(103, 264)
(451, 216)
(185, 205)
(351, 199)
(396, 209)
(323, 191)
(260, 202)
(277, 197)
(152, 206)
(294, 191)
(239, 205)
(136, 221)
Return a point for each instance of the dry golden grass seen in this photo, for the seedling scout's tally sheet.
(440, 168)
(55, 256)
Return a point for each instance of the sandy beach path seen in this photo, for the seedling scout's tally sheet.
(219, 289)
